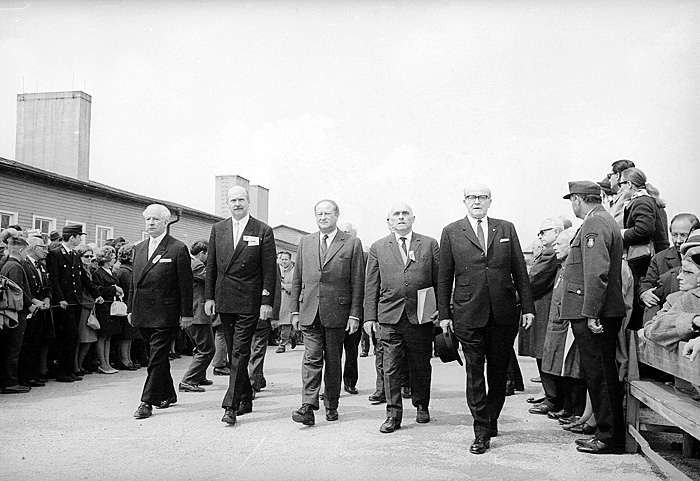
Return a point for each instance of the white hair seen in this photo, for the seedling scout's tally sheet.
(160, 210)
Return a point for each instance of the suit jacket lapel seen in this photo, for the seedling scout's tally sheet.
(414, 247)
(468, 231)
(335, 246)
(249, 230)
(316, 239)
(160, 251)
(394, 248)
(495, 229)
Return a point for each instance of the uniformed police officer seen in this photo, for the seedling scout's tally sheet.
(67, 281)
(594, 304)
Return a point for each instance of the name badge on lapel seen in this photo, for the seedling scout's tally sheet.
(412, 256)
(251, 240)
(505, 239)
(165, 260)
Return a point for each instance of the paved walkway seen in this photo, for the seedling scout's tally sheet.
(86, 431)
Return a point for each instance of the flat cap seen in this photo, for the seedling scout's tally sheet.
(583, 187)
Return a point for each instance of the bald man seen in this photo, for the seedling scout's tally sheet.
(241, 279)
(482, 258)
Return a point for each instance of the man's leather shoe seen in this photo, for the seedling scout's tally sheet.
(304, 415)
(519, 387)
(558, 414)
(229, 416)
(406, 392)
(76, 378)
(17, 389)
(377, 398)
(293, 341)
(206, 382)
(187, 387)
(584, 441)
(167, 403)
(493, 428)
(583, 428)
(422, 415)
(480, 444)
(222, 371)
(331, 414)
(390, 425)
(541, 408)
(280, 349)
(351, 389)
(64, 378)
(536, 400)
(245, 407)
(593, 446)
(144, 411)
(35, 383)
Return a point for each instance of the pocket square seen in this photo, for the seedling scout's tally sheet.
(505, 239)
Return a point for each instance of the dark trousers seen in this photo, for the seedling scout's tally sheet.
(202, 337)
(492, 343)
(67, 321)
(514, 373)
(238, 331)
(403, 342)
(159, 383)
(258, 349)
(574, 395)
(639, 270)
(31, 347)
(286, 334)
(597, 353)
(10, 347)
(553, 388)
(379, 368)
(322, 346)
(350, 346)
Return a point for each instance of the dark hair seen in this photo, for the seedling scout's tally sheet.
(332, 202)
(67, 237)
(284, 252)
(692, 218)
(639, 179)
(126, 253)
(15, 227)
(621, 165)
(104, 255)
(16, 242)
(199, 246)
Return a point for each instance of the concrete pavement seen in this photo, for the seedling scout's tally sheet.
(85, 431)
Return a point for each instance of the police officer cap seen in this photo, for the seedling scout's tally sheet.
(583, 187)
(73, 229)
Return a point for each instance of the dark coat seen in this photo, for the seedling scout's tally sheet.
(161, 287)
(543, 274)
(661, 263)
(335, 288)
(645, 221)
(483, 283)
(593, 272)
(241, 280)
(198, 299)
(391, 286)
(68, 278)
(107, 284)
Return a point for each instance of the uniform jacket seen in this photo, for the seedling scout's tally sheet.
(593, 273)
(161, 286)
(68, 278)
(482, 283)
(674, 322)
(661, 263)
(198, 299)
(334, 288)
(241, 280)
(391, 287)
(645, 221)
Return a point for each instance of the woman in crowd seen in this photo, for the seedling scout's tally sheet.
(86, 335)
(108, 285)
(129, 332)
(645, 230)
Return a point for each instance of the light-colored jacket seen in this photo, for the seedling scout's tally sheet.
(674, 322)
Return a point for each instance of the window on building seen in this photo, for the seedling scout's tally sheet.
(44, 224)
(103, 234)
(7, 218)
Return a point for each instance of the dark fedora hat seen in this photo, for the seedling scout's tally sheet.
(73, 229)
(446, 347)
(583, 187)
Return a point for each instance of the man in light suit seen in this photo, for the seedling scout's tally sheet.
(327, 292)
(483, 258)
(398, 266)
(240, 286)
(160, 302)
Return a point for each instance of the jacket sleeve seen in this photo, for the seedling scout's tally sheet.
(373, 282)
(268, 262)
(641, 219)
(185, 281)
(595, 239)
(543, 273)
(357, 278)
(211, 272)
(651, 278)
(671, 325)
(519, 273)
(52, 263)
(296, 278)
(445, 276)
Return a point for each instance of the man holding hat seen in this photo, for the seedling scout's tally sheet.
(67, 281)
(594, 305)
(400, 266)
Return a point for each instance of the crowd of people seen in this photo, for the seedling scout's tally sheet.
(407, 295)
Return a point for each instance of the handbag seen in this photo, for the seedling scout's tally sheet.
(641, 251)
(92, 321)
(118, 308)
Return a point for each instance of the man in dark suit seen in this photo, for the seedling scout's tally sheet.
(160, 302)
(327, 292)
(483, 258)
(68, 279)
(593, 302)
(399, 266)
(240, 287)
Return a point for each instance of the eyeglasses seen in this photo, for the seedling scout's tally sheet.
(611, 174)
(544, 231)
(623, 182)
(88, 256)
(472, 198)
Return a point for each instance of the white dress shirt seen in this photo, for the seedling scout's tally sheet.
(241, 227)
(484, 226)
(153, 244)
(404, 255)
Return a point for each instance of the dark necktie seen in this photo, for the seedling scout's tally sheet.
(324, 247)
(480, 235)
(403, 248)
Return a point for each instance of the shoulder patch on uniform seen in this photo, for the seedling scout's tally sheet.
(590, 242)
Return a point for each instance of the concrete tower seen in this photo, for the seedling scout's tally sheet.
(259, 196)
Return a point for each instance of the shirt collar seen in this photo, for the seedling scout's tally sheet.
(484, 223)
(331, 236)
(408, 237)
(241, 223)
(157, 240)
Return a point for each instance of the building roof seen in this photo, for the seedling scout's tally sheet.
(96, 188)
(283, 226)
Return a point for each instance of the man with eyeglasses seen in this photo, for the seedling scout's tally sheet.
(482, 258)
(617, 201)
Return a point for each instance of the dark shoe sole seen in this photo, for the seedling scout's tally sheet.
(384, 430)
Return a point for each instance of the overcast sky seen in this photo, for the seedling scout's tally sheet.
(370, 102)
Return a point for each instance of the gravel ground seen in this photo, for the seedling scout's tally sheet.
(85, 431)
